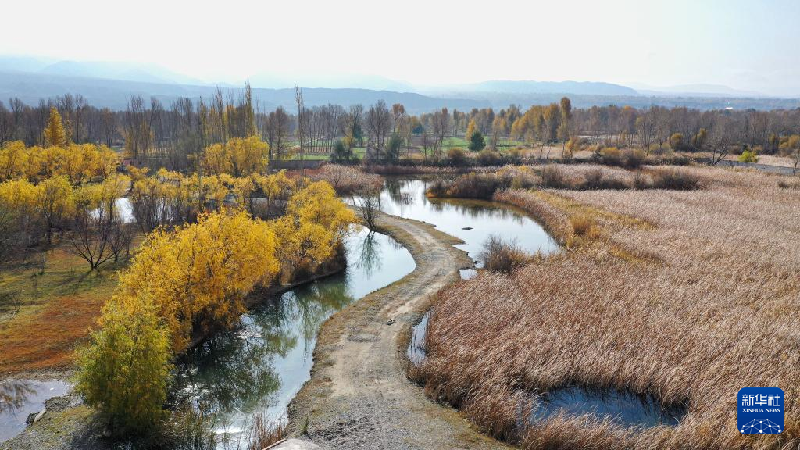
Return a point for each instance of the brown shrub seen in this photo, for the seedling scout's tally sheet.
(584, 226)
(501, 256)
(675, 179)
(457, 157)
(633, 158)
(488, 157)
(482, 185)
(347, 180)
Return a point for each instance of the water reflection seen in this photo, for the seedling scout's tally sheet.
(417, 350)
(260, 366)
(406, 198)
(19, 398)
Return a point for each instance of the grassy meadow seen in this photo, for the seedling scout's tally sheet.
(687, 296)
(47, 311)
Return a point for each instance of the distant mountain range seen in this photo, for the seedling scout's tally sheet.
(535, 87)
(111, 84)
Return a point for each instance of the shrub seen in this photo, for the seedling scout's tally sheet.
(674, 179)
(573, 146)
(642, 181)
(515, 155)
(489, 158)
(553, 177)
(500, 256)
(483, 185)
(677, 142)
(595, 179)
(124, 371)
(584, 226)
(633, 158)
(748, 156)
(347, 180)
(611, 156)
(456, 156)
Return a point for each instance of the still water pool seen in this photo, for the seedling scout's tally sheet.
(473, 221)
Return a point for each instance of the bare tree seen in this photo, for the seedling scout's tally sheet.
(98, 235)
(441, 122)
(368, 204)
(378, 123)
(302, 124)
(720, 139)
(277, 128)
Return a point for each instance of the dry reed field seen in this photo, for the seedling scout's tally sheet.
(687, 296)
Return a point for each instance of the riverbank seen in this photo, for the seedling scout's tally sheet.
(72, 425)
(358, 395)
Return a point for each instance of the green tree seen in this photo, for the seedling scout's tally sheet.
(477, 141)
(125, 369)
(393, 149)
(341, 153)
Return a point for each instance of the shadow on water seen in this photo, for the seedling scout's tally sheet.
(19, 398)
(621, 407)
(258, 367)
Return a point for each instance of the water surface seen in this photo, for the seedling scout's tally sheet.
(621, 407)
(19, 398)
(473, 221)
(260, 366)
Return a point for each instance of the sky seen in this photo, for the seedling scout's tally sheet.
(747, 45)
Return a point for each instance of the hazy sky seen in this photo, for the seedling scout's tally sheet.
(748, 45)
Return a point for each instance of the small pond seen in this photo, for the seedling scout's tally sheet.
(258, 367)
(473, 221)
(19, 398)
(623, 408)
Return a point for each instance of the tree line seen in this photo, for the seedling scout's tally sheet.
(174, 136)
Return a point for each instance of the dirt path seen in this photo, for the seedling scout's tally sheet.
(358, 395)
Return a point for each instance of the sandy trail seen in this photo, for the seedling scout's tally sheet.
(358, 395)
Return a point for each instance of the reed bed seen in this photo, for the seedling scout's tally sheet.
(711, 309)
(348, 180)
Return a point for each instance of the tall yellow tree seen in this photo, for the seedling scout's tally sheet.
(54, 134)
(471, 129)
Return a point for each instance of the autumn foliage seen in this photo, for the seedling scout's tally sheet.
(78, 163)
(194, 278)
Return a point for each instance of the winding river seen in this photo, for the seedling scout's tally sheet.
(259, 366)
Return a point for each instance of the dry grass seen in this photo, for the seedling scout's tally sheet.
(52, 311)
(502, 256)
(265, 433)
(347, 180)
(713, 309)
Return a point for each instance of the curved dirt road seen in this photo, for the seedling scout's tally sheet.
(358, 396)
